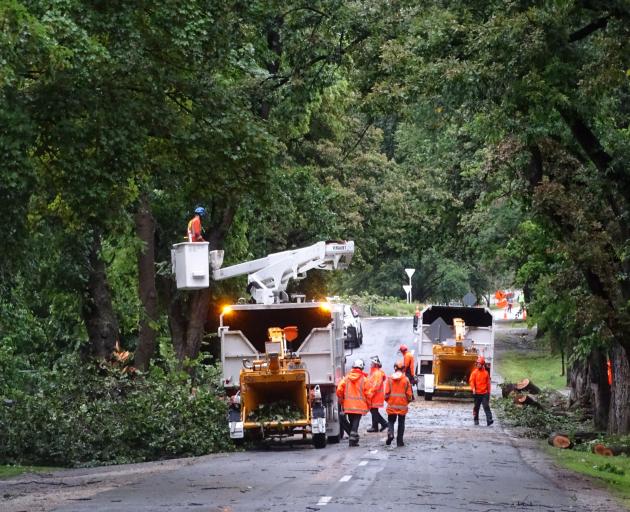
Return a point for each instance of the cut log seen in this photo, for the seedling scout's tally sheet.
(527, 400)
(609, 451)
(507, 388)
(529, 386)
(560, 441)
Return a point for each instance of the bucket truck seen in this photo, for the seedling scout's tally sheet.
(275, 353)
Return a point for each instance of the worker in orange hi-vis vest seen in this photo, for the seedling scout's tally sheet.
(377, 380)
(194, 225)
(480, 386)
(355, 393)
(397, 395)
(410, 365)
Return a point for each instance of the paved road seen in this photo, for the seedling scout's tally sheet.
(447, 465)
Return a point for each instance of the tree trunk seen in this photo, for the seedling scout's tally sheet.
(619, 419)
(188, 311)
(145, 230)
(98, 313)
(600, 388)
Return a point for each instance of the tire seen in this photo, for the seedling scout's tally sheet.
(428, 397)
(360, 338)
(319, 440)
(352, 338)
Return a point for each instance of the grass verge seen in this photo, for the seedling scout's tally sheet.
(11, 470)
(542, 368)
(614, 472)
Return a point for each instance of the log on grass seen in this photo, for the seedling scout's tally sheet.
(610, 450)
(528, 386)
(602, 449)
(560, 441)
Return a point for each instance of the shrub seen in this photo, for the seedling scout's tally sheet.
(77, 414)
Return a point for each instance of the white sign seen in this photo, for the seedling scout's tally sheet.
(410, 271)
(407, 288)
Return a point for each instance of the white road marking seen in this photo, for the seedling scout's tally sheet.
(373, 451)
(324, 500)
(363, 463)
(345, 478)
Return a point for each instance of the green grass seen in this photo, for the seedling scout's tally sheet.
(602, 468)
(540, 367)
(11, 470)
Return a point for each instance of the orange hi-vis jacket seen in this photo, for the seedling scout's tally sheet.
(410, 365)
(398, 394)
(354, 392)
(194, 230)
(479, 381)
(377, 380)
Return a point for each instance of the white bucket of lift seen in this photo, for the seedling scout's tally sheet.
(190, 265)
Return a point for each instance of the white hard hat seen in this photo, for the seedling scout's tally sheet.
(358, 363)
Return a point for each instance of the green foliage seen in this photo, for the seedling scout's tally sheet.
(77, 414)
(614, 473)
(376, 305)
(536, 422)
(541, 367)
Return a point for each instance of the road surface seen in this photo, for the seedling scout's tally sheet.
(447, 465)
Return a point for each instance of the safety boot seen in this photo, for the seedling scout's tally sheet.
(390, 438)
(490, 422)
(399, 442)
(372, 429)
(476, 421)
(353, 439)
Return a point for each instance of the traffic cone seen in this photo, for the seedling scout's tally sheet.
(524, 314)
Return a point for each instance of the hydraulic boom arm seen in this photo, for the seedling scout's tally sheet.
(267, 278)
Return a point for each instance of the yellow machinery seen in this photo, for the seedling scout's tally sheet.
(280, 383)
(452, 365)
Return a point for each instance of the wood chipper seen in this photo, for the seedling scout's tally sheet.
(449, 341)
(274, 395)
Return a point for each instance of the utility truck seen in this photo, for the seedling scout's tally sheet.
(281, 360)
(449, 339)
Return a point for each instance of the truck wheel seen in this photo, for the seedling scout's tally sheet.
(319, 440)
(360, 338)
(352, 338)
(428, 397)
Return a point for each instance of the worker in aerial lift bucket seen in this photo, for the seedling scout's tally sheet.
(194, 225)
(377, 380)
(480, 385)
(397, 395)
(410, 365)
(355, 393)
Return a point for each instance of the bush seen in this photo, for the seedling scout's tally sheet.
(77, 415)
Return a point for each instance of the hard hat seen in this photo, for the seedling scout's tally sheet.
(399, 365)
(403, 348)
(376, 361)
(481, 360)
(200, 210)
(358, 363)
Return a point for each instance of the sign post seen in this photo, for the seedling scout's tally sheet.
(410, 272)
